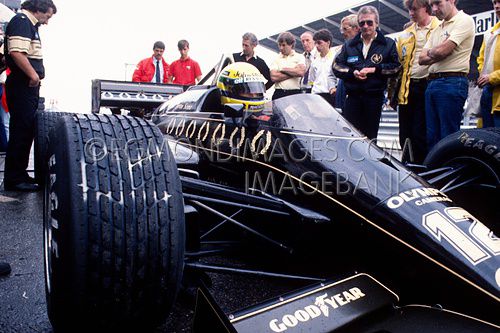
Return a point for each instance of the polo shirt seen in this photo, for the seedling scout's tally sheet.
(460, 30)
(420, 71)
(184, 71)
(21, 35)
(289, 61)
(259, 63)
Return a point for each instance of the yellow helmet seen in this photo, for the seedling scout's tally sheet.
(242, 83)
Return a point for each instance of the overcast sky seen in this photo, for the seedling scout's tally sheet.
(96, 39)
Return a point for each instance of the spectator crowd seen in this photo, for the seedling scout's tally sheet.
(429, 62)
(423, 72)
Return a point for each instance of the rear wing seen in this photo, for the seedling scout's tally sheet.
(126, 94)
(145, 95)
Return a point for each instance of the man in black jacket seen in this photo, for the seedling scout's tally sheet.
(249, 43)
(364, 63)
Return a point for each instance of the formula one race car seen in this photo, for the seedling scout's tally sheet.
(132, 206)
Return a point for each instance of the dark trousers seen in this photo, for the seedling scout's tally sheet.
(278, 93)
(412, 126)
(23, 104)
(364, 111)
(329, 98)
(340, 95)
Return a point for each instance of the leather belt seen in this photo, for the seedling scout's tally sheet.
(433, 76)
(422, 80)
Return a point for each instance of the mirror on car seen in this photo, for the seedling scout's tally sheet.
(233, 110)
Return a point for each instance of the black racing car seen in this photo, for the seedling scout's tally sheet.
(132, 206)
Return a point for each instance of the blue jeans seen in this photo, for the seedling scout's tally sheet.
(444, 105)
(486, 104)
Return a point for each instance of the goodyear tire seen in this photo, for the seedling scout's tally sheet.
(45, 121)
(114, 225)
(477, 153)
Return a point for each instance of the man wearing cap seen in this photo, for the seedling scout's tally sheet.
(152, 69)
(448, 52)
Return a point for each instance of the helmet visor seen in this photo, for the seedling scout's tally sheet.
(250, 91)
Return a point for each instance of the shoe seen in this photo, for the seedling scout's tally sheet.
(22, 187)
(4, 268)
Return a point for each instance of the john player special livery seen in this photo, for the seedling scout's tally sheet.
(132, 206)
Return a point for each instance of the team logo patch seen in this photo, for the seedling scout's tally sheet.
(352, 59)
(377, 58)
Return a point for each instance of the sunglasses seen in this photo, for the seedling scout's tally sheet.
(368, 22)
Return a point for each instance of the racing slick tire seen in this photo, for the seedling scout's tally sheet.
(114, 232)
(477, 153)
(45, 121)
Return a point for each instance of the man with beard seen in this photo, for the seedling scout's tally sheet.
(448, 52)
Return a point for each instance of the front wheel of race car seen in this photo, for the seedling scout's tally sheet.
(470, 161)
(113, 225)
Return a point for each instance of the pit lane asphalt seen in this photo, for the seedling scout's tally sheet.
(22, 293)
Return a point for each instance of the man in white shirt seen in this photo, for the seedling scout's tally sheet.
(288, 69)
(321, 74)
(310, 54)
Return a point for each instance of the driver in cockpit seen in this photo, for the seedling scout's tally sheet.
(242, 83)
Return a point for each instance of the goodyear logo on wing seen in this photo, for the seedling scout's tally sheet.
(417, 196)
(323, 306)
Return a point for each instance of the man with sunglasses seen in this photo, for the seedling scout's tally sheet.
(413, 81)
(447, 52)
(365, 63)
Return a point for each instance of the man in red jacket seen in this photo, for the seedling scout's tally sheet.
(152, 69)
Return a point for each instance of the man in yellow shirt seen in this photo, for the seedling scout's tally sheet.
(489, 78)
(447, 53)
(288, 69)
(413, 82)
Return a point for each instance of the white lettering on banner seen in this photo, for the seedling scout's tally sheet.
(320, 307)
(484, 21)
